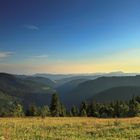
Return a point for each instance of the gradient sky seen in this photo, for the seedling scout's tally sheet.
(69, 36)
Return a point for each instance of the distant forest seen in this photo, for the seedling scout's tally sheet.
(115, 109)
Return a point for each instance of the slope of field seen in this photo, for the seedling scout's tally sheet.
(69, 129)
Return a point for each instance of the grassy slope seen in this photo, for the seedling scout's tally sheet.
(69, 129)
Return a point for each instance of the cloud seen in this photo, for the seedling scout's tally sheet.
(41, 56)
(38, 58)
(5, 54)
(31, 27)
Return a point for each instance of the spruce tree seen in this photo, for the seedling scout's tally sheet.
(83, 113)
(17, 110)
(55, 106)
(45, 111)
(134, 108)
(74, 111)
(83, 109)
(94, 111)
(63, 111)
(32, 110)
(70, 114)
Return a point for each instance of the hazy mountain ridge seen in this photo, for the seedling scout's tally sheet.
(38, 90)
(82, 76)
(117, 93)
(25, 90)
(89, 88)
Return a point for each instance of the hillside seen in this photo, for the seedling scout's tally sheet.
(68, 87)
(42, 80)
(38, 90)
(74, 79)
(117, 93)
(27, 90)
(88, 89)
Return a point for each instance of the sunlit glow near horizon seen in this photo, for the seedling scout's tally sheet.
(69, 36)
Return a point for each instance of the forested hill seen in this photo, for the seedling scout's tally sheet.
(117, 93)
(38, 90)
(88, 89)
(26, 90)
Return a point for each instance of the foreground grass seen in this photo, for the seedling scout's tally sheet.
(69, 129)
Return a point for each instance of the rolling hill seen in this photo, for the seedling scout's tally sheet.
(38, 90)
(117, 93)
(68, 87)
(26, 90)
(88, 89)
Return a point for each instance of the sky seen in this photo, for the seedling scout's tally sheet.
(69, 36)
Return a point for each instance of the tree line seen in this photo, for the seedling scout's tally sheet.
(130, 108)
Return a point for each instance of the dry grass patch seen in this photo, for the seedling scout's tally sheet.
(69, 129)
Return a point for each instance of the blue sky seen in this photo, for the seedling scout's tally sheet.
(69, 36)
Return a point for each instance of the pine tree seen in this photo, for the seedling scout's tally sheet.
(104, 111)
(55, 106)
(32, 110)
(83, 113)
(70, 114)
(124, 109)
(63, 111)
(134, 108)
(137, 99)
(74, 111)
(83, 109)
(17, 110)
(94, 111)
(117, 109)
(45, 111)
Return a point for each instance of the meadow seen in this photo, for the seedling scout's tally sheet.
(69, 129)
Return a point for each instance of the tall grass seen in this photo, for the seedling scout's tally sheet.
(69, 129)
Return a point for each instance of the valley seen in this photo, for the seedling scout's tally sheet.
(71, 90)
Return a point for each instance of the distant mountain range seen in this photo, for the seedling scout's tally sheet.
(87, 89)
(72, 89)
(80, 76)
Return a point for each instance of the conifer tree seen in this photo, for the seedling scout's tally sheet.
(17, 110)
(83, 113)
(134, 108)
(32, 110)
(63, 111)
(83, 109)
(74, 111)
(45, 111)
(55, 106)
